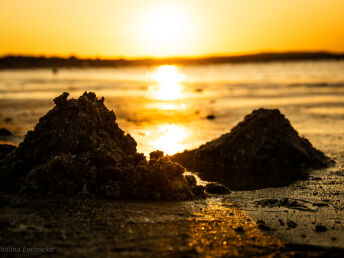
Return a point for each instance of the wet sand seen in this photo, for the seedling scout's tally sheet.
(83, 227)
(315, 110)
(74, 226)
(295, 212)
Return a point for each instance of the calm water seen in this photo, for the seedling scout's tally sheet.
(166, 107)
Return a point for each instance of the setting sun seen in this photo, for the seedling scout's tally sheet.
(164, 29)
(155, 28)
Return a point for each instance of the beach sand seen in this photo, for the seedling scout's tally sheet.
(77, 226)
(291, 214)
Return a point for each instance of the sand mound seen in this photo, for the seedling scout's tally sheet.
(263, 150)
(78, 147)
(6, 149)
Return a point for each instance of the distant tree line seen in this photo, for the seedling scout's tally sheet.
(21, 62)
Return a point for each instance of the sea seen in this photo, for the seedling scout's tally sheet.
(173, 108)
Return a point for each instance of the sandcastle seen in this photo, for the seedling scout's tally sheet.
(78, 147)
(263, 150)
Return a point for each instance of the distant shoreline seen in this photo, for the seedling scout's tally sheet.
(31, 62)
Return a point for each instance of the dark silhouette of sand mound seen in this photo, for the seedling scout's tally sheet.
(6, 149)
(77, 147)
(264, 150)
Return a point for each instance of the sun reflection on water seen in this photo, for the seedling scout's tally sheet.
(170, 139)
(168, 85)
(165, 106)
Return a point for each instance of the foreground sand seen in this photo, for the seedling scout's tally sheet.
(85, 227)
(154, 229)
(73, 226)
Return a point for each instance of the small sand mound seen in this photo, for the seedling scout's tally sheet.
(78, 147)
(264, 150)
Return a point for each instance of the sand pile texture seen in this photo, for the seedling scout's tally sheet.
(77, 147)
(264, 150)
(5, 149)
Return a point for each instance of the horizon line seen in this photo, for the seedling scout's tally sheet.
(22, 62)
(192, 57)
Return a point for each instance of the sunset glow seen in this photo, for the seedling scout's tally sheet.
(164, 30)
(133, 28)
(153, 128)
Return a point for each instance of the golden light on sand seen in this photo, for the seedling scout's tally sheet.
(171, 139)
(167, 85)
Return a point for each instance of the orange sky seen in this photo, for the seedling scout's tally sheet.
(138, 28)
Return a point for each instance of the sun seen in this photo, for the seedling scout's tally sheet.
(165, 30)
(165, 24)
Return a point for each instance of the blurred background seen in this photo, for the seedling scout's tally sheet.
(176, 73)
